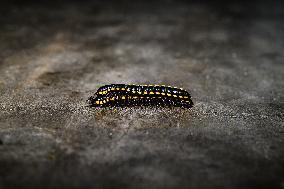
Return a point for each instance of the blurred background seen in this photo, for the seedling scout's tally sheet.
(227, 54)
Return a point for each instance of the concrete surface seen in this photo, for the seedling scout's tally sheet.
(54, 55)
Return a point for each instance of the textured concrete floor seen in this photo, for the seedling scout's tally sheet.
(53, 56)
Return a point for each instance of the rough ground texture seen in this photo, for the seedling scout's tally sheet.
(53, 56)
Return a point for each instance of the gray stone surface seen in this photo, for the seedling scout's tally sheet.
(53, 56)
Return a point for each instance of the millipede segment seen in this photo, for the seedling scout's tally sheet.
(140, 95)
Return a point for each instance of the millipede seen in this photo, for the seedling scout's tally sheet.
(122, 95)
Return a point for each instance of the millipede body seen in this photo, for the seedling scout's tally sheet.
(120, 95)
